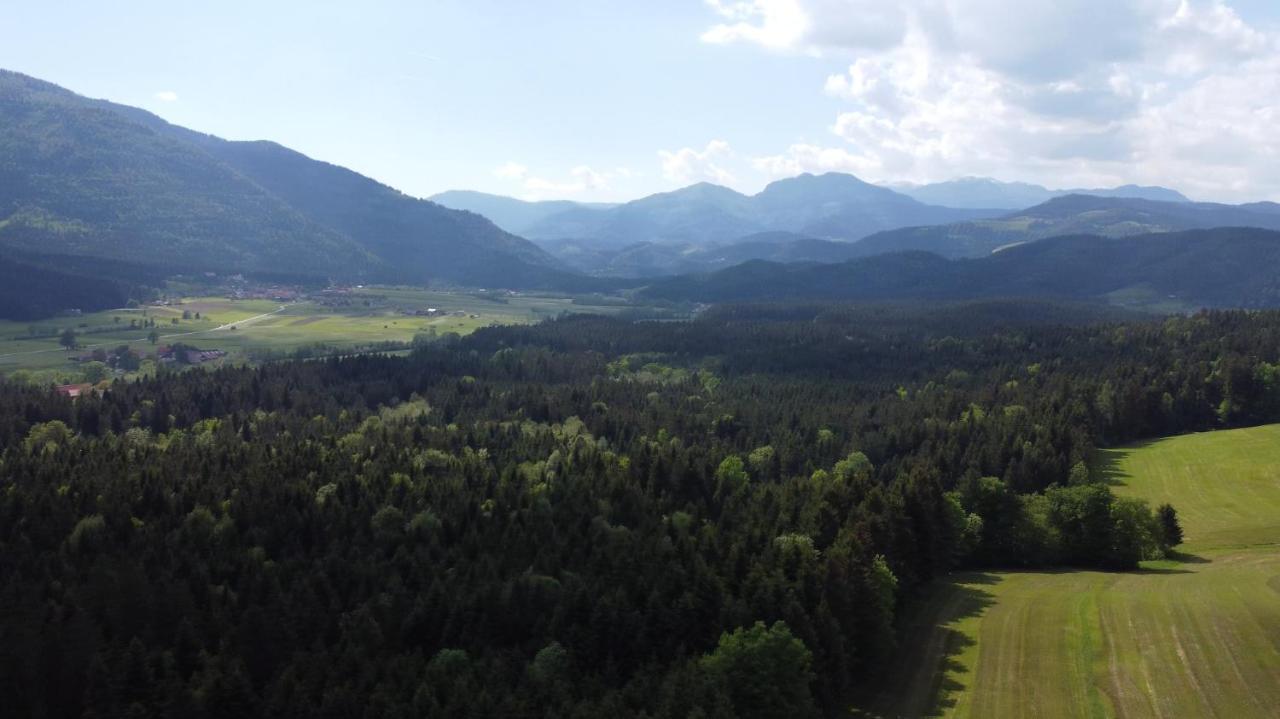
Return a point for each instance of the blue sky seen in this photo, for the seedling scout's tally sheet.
(609, 100)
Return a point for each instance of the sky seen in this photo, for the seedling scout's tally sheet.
(597, 100)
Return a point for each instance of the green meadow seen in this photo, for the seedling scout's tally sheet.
(1195, 637)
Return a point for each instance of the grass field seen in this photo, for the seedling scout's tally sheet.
(244, 328)
(1198, 637)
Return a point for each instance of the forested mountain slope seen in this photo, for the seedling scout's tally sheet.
(1225, 267)
(90, 178)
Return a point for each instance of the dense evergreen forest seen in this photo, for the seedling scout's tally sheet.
(587, 517)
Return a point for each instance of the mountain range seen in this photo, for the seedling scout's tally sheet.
(94, 190)
(984, 192)
(830, 206)
(1067, 215)
(706, 227)
(82, 177)
(1224, 267)
(1071, 215)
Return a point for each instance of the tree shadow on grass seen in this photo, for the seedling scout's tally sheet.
(1105, 464)
(924, 677)
(1157, 571)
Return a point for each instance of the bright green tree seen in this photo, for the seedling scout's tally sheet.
(764, 670)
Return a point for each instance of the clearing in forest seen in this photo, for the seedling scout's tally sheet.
(1195, 637)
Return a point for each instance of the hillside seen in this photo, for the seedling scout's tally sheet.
(1069, 215)
(31, 289)
(84, 177)
(654, 259)
(1229, 267)
(416, 238)
(832, 206)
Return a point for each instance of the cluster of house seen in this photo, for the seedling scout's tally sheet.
(184, 354)
(74, 390)
(275, 293)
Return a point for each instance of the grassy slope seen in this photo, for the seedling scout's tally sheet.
(1198, 637)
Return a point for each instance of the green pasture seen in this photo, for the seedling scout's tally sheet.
(248, 327)
(1195, 637)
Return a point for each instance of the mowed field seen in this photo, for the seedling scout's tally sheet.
(1196, 637)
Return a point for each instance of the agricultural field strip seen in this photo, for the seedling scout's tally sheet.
(1194, 638)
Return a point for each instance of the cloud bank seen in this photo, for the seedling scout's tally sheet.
(1061, 92)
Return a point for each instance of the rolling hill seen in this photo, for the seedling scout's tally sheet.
(89, 178)
(1069, 215)
(1227, 267)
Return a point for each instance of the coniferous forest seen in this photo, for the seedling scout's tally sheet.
(586, 517)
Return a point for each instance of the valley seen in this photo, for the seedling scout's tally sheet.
(297, 324)
(720, 359)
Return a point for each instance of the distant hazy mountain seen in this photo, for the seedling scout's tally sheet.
(514, 216)
(832, 206)
(1072, 214)
(1224, 267)
(81, 177)
(983, 192)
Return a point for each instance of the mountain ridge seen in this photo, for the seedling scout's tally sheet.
(1220, 267)
(87, 177)
(1070, 215)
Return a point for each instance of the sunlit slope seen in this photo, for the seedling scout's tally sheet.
(1193, 638)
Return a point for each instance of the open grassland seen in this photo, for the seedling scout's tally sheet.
(1197, 637)
(246, 328)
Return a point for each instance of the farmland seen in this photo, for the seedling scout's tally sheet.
(1199, 636)
(250, 329)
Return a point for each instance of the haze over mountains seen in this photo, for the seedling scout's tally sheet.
(984, 192)
(833, 206)
(94, 190)
(1071, 215)
(701, 228)
(808, 218)
(545, 219)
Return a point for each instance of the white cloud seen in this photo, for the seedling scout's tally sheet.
(1063, 92)
(687, 165)
(581, 180)
(802, 157)
(511, 171)
(772, 23)
(167, 96)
